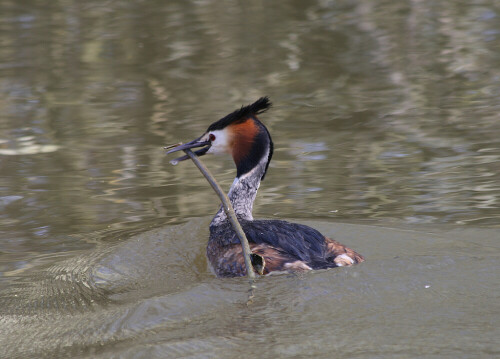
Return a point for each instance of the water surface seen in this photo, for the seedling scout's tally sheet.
(387, 137)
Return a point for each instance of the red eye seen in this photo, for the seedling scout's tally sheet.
(211, 137)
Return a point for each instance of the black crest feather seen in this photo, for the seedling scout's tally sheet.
(258, 107)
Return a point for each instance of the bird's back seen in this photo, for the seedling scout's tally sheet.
(283, 245)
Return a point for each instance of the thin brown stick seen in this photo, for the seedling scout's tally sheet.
(228, 209)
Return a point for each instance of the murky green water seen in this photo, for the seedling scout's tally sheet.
(387, 132)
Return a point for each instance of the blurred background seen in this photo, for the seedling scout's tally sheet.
(384, 113)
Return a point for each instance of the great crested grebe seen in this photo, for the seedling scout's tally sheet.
(282, 245)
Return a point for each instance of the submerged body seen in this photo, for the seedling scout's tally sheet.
(284, 246)
(276, 245)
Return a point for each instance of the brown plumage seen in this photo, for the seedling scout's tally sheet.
(229, 261)
(242, 137)
(284, 246)
(336, 251)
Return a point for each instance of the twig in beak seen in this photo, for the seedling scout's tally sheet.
(172, 146)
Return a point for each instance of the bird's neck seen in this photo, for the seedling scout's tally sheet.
(242, 194)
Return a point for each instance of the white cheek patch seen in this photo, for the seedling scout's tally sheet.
(221, 142)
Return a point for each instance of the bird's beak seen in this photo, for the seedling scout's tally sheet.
(193, 144)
